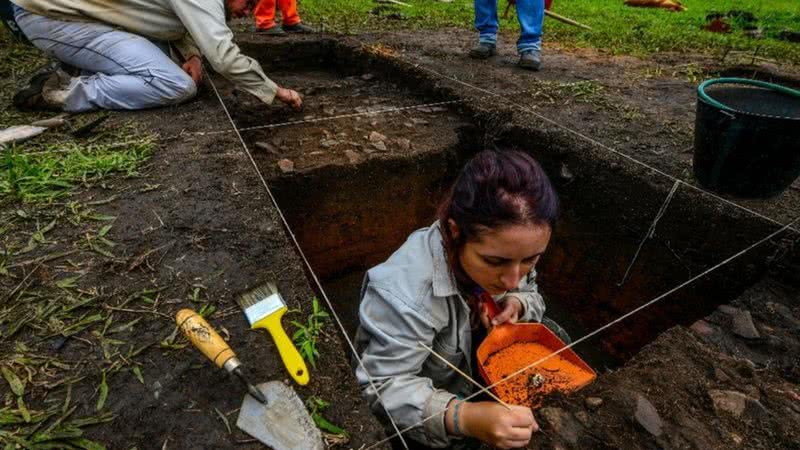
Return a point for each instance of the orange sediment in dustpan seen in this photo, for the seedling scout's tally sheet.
(511, 347)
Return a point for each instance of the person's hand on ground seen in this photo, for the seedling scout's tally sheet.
(510, 311)
(290, 97)
(497, 426)
(194, 67)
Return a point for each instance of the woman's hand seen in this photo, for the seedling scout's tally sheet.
(290, 97)
(194, 67)
(497, 426)
(510, 311)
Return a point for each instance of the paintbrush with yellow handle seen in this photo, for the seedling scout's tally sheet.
(264, 308)
(210, 343)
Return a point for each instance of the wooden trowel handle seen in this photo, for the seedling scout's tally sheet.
(204, 337)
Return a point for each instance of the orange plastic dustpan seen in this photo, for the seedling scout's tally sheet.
(511, 347)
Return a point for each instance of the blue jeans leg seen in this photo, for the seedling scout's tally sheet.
(531, 16)
(120, 70)
(486, 21)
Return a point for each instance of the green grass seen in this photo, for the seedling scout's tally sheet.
(618, 29)
(43, 175)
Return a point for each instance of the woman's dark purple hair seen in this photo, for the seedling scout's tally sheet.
(497, 189)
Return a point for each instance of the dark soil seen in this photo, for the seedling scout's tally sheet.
(200, 222)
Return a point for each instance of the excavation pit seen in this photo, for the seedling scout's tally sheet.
(367, 168)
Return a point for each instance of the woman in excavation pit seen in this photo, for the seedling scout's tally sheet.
(491, 231)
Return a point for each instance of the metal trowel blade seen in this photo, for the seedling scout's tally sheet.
(283, 423)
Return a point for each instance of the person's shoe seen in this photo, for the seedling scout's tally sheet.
(483, 51)
(530, 60)
(275, 30)
(46, 91)
(299, 28)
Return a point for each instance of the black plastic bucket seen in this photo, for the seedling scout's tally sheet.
(746, 137)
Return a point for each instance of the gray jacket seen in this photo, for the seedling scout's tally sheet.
(412, 298)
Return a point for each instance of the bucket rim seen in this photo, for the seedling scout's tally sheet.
(701, 93)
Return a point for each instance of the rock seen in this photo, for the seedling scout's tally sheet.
(286, 165)
(353, 157)
(583, 417)
(376, 137)
(416, 121)
(328, 143)
(647, 416)
(308, 117)
(408, 124)
(404, 144)
(731, 402)
(743, 325)
(593, 402)
(721, 376)
(565, 173)
(157, 389)
(728, 309)
(380, 146)
(561, 422)
(702, 328)
(367, 76)
(266, 146)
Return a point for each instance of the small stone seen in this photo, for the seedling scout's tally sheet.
(328, 143)
(408, 124)
(353, 157)
(593, 402)
(565, 173)
(266, 146)
(583, 417)
(286, 165)
(380, 146)
(647, 416)
(404, 144)
(308, 117)
(58, 343)
(157, 390)
(721, 376)
(702, 328)
(376, 137)
(730, 402)
(743, 325)
(561, 422)
(367, 76)
(419, 121)
(728, 309)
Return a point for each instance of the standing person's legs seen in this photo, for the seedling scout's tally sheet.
(128, 71)
(264, 13)
(486, 21)
(531, 17)
(289, 12)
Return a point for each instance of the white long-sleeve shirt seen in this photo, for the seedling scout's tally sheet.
(412, 298)
(194, 27)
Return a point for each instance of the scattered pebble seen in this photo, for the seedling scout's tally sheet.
(380, 146)
(647, 416)
(156, 390)
(404, 144)
(328, 143)
(702, 328)
(743, 325)
(376, 137)
(353, 157)
(565, 173)
(367, 76)
(286, 165)
(730, 402)
(266, 146)
(593, 402)
(419, 121)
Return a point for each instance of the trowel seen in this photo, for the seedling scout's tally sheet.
(271, 412)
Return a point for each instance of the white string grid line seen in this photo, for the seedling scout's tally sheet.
(305, 260)
(650, 232)
(529, 110)
(399, 433)
(601, 329)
